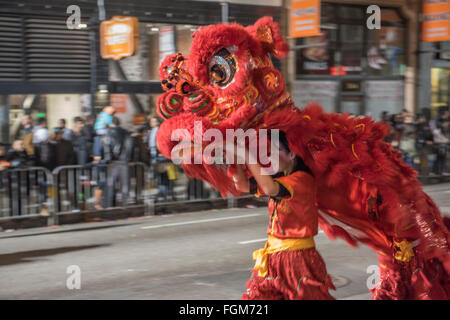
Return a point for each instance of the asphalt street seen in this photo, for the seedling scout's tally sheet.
(200, 255)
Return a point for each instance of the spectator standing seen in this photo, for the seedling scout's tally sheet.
(385, 116)
(88, 128)
(141, 152)
(408, 148)
(64, 154)
(100, 128)
(104, 119)
(154, 125)
(399, 127)
(64, 151)
(26, 126)
(424, 142)
(17, 157)
(40, 132)
(159, 162)
(66, 132)
(89, 132)
(117, 146)
(147, 125)
(100, 173)
(79, 141)
(440, 142)
(45, 149)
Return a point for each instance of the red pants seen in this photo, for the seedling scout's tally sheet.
(413, 280)
(292, 275)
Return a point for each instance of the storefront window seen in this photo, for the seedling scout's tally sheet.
(347, 45)
(440, 87)
(351, 47)
(317, 54)
(385, 47)
(385, 53)
(351, 12)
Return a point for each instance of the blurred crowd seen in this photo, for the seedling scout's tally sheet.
(91, 140)
(423, 141)
(94, 142)
(87, 141)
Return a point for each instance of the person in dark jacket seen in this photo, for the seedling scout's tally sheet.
(89, 133)
(17, 157)
(65, 154)
(79, 141)
(117, 150)
(26, 126)
(141, 153)
(424, 143)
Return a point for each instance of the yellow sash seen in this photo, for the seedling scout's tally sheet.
(275, 244)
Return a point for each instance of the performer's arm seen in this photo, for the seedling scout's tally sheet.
(265, 182)
(267, 185)
(240, 180)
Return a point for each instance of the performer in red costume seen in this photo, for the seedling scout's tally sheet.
(289, 266)
(365, 192)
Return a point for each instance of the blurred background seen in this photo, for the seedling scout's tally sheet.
(79, 78)
(57, 76)
(64, 71)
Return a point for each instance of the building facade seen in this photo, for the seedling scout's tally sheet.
(48, 69)
(353, 68)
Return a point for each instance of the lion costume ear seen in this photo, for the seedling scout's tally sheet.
(266, 31)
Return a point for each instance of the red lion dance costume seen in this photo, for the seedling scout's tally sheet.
(365, 192)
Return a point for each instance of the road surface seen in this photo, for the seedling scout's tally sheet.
(200, 255)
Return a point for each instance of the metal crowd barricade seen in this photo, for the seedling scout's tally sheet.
(35, 191)
(169, 183)
(74, 186)
(24, 192)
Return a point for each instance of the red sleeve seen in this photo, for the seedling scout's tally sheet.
(298, 180)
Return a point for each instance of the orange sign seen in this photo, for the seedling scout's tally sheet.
(119, 102)
(138, 119)
(436, 20)
(119, 37)
(304, 18)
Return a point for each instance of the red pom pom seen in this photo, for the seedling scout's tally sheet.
(169, 104)
(198, 103)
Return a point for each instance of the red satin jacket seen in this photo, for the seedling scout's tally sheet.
(295, 215)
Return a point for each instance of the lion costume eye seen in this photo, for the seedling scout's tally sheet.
(222, 68)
